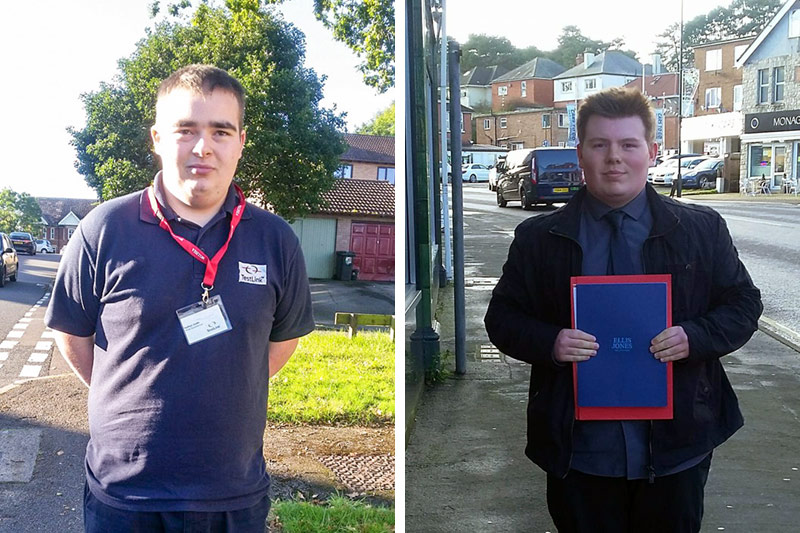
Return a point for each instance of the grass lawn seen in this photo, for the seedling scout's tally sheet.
(331, 379)
(337, 515)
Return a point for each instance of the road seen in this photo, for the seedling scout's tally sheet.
(25, 347)
(767, 237)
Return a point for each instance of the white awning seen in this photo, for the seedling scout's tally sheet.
(712, 126)
(771, 136)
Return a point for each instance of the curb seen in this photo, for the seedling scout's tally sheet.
(20, 382)
(780, 333)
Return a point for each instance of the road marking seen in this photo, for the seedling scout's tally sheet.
(19, 326)
(3, 356)
(38, 357)
(7, 344)
(30, 371)
(14, 334)
(43, 345)
(25, 319)
(758, 221)
(49, 334)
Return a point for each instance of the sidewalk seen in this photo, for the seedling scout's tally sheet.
(466, 469)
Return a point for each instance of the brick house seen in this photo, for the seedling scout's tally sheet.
(368, 157)
(358, 215)
(476, 86)
(530, 85)
(718, 122)
(60, 217)
(770, 143)
(523, 128)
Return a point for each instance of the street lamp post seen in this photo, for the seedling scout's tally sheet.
(680, 104)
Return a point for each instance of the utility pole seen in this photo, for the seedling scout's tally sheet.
(680, 107)
(458, 215)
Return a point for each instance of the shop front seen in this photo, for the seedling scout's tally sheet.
(771, 143)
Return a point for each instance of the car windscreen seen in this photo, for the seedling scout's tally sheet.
(17, 235)
(708, 164)
(558, 166)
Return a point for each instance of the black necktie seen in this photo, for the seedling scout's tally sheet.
(619, 254)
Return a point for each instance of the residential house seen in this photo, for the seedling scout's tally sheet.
(771, 101)
(530, 85)
(368, 157)
(358, 215)
(611, 68)
(476, 86)
(522, 128)
(60, 218)
(662, 90)
(718, 121)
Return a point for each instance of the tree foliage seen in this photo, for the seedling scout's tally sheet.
(293, 145)
(487, 50)
(19, 212)
(381, 124)
(742, 18)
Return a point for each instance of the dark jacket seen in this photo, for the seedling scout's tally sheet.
(713, 299)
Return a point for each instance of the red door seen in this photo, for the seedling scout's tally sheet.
(373, 244)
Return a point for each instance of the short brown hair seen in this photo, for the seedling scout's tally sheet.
(204, 79)
(617, 102)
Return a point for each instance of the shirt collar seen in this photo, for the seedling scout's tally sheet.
(634, 209)
(145, 213)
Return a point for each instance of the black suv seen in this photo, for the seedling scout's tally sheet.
(23, 242)
(539, 175)
(9, 262)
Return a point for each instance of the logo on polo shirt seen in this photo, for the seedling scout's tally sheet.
(254, 274)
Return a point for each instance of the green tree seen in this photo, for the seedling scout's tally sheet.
(19, 212)
(480, 50)
(293, 145)
(381, 124)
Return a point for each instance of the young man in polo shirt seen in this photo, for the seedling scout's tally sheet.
(174, 305)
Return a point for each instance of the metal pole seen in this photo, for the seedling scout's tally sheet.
(448, 264)
(458, 212)
(680, 106)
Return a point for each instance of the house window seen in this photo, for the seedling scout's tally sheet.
(502, 90)
(487, 123)
(462, 122)
(794, 23)
(763, 86)
(562, 120)
(737, 97)
(713, 97)
(517, 146)
(53, 233)
(503, 122)
(386, 174)
(714, 59)
(344, 171)
(590, 84)
(524, 89)
(463, 94)
(70, 231)
(738, 51)
(566, 86)
(778, 83)
(545, 121)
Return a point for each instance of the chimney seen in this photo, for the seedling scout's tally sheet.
(656, 64)
(588, 57)
(578, 59)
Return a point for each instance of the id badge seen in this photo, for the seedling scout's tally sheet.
(202, 320)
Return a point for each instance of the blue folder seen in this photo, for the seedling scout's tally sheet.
(623, 381)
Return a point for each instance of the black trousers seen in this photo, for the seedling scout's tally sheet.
(581, 503)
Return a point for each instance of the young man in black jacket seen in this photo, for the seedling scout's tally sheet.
(638, 475)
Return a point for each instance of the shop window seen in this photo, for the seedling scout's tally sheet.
(760, 161)
(763, 86)
(778, 83)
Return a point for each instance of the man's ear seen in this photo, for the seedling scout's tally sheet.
(155, 137)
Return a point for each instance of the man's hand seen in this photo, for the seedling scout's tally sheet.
(672, 344)
(574, 346)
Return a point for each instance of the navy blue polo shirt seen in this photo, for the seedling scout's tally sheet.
(173, 426)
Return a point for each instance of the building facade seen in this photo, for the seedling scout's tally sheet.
(530, 85)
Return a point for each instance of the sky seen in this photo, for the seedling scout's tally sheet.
(57, 50)
(527, 23)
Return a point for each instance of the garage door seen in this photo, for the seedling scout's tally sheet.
(318, 241)
(373, 244)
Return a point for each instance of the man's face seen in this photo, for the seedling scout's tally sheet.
(615, 156)
(199, 141)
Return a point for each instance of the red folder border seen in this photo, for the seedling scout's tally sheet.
(622, 413)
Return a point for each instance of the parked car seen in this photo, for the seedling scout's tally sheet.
(474, 172)
(9, 262)
(666, 171)
(44, 246)
(703, 176)
(23, 242)
(495, 172)
(539, 175)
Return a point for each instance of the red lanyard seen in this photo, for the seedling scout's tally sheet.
(194, 251)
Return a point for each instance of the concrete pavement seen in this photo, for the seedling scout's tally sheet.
(466, 470)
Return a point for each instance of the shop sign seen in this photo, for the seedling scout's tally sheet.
(778, 121)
